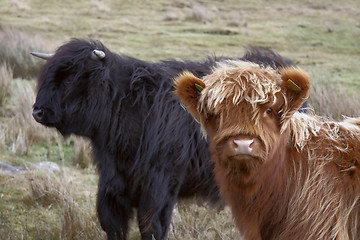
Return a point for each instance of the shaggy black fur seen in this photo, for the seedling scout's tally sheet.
(148, 150)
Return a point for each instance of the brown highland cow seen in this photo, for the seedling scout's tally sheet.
(285, 174)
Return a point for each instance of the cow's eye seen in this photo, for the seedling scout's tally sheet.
(269, 111)
(210, 116)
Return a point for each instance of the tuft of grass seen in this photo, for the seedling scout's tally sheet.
(202, 14)
(6, 76)
(193, 221)
(98, 6)
(17, 5)
(47, 190)
(334, 101)
(15, 48)
(76, 222)
(82, 152)
(47, 207)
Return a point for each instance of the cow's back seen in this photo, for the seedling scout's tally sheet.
(170, 134)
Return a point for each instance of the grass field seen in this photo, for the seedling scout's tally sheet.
(322, 37)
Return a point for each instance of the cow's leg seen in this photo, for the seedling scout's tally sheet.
(114, 209)
(154, 214)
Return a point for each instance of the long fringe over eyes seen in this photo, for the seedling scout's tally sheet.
(239, 80)
(235, 81)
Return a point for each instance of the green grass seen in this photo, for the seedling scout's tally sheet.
(322, 37)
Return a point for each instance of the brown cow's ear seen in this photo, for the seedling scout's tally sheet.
(296, 84)
(188, 88)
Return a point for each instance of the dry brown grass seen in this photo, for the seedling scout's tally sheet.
(21, 130)
(52, 195)
(192, 221)
(83, 152)
(15, 48)
(333, 101)
(6, 75)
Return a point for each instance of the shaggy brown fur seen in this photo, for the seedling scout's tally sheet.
(285, 174)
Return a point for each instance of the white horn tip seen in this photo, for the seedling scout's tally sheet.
(99, 54)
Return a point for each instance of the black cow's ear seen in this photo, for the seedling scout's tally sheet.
(296, 84)
(188, 88)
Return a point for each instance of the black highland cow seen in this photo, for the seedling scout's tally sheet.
(148, 150)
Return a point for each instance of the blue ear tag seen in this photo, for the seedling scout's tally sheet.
(293, 86)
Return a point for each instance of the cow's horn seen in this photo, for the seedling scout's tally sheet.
(45, 56)
(98, 54)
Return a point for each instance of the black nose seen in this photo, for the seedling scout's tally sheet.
(38, 114)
